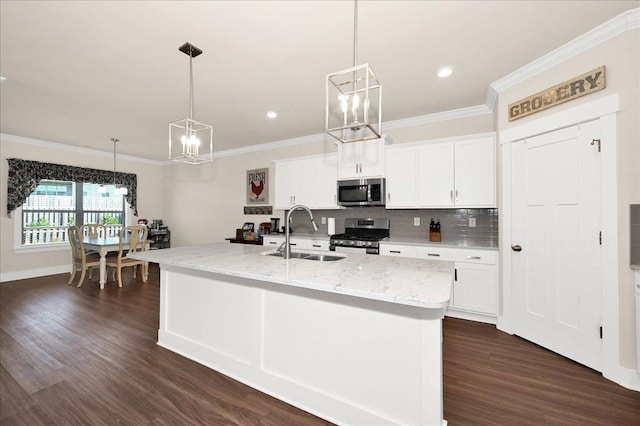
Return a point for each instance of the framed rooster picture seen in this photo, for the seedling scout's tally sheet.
(258, 186)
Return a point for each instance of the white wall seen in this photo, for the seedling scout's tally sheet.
(621, 57)
(23, 265)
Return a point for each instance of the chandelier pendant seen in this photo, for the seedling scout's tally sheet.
(190, 141)
(353, 106)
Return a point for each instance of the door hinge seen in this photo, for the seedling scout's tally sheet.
(594, 141)
(600, 237)
(601, 332)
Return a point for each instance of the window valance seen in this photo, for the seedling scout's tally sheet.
(25, 175)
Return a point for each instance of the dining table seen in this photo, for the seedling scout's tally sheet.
(104, 245)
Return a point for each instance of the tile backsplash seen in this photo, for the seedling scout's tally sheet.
(454, 223)
(634, 216)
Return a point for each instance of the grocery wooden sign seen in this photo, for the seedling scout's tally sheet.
(569, 90)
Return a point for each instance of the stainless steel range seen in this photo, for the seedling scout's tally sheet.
(361, 236)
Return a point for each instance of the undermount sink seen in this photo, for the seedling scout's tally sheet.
(323, 257)
(308, 256)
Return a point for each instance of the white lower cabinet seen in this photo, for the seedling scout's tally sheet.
(475, 288)
(474, 292)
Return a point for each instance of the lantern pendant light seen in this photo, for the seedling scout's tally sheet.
(190, 141)
(353, 107)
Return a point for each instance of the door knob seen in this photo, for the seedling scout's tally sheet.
(516, 247)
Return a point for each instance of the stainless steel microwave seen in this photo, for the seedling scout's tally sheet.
(361, 192)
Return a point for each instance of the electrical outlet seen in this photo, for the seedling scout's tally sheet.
(472, 222)
(416, 221)
(323, 220)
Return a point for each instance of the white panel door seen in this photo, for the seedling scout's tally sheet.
(557, 282)
(400, 171)
(435, 183)
(475, 173)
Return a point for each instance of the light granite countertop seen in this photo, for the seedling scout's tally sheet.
(458, 243)
(461, 244)
(413, 282)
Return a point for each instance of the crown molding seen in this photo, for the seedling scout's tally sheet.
(436, 117)
(626, 21)
(64, 147)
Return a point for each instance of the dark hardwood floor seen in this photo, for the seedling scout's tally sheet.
(72, 356)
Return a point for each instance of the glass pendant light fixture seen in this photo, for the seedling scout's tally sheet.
(119, 190)
(353, 107)
(190, 141)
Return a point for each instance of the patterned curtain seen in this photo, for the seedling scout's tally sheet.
(25, 176)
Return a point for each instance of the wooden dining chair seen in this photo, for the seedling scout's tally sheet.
(136, 236)
(94, 230)
(80, 260)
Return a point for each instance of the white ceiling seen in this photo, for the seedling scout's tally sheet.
(81, 72)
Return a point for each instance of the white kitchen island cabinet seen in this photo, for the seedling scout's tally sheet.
(356, 341)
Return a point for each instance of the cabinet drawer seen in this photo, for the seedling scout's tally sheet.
(488, 257)
(322, 245)
(397, 250)
(272, 241)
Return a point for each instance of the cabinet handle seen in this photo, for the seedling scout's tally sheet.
(316, 245)
(293, 244)
(395, 251)
(360, 165)
(356, 167)
(455, 274)
(474, 257)
(273, 242)
(451, 194)
(433, 254)
(456, 195)
(389, 196)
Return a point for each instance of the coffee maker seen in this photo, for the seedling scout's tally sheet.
(275, 225)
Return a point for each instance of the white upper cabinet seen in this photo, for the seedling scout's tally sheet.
(310, 181)
(442, 174)
(401, 170)
(361, 159)
(475, 173)
(326, 193)
(436, 174)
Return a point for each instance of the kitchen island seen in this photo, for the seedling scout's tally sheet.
(355, 341)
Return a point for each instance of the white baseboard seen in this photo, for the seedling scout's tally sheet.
(625, 377)
(33, 273)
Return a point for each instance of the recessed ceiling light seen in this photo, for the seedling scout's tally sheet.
(272, 114)
(444, 72)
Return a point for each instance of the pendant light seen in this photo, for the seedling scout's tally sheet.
(353, 107)
(190, 141)
(119, 190)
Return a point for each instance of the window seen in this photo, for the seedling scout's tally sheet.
(55, 205)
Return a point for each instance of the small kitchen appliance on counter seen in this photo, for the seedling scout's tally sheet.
(361, 236)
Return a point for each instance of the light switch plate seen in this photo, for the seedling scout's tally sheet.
(472, 222)
(416, 221)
